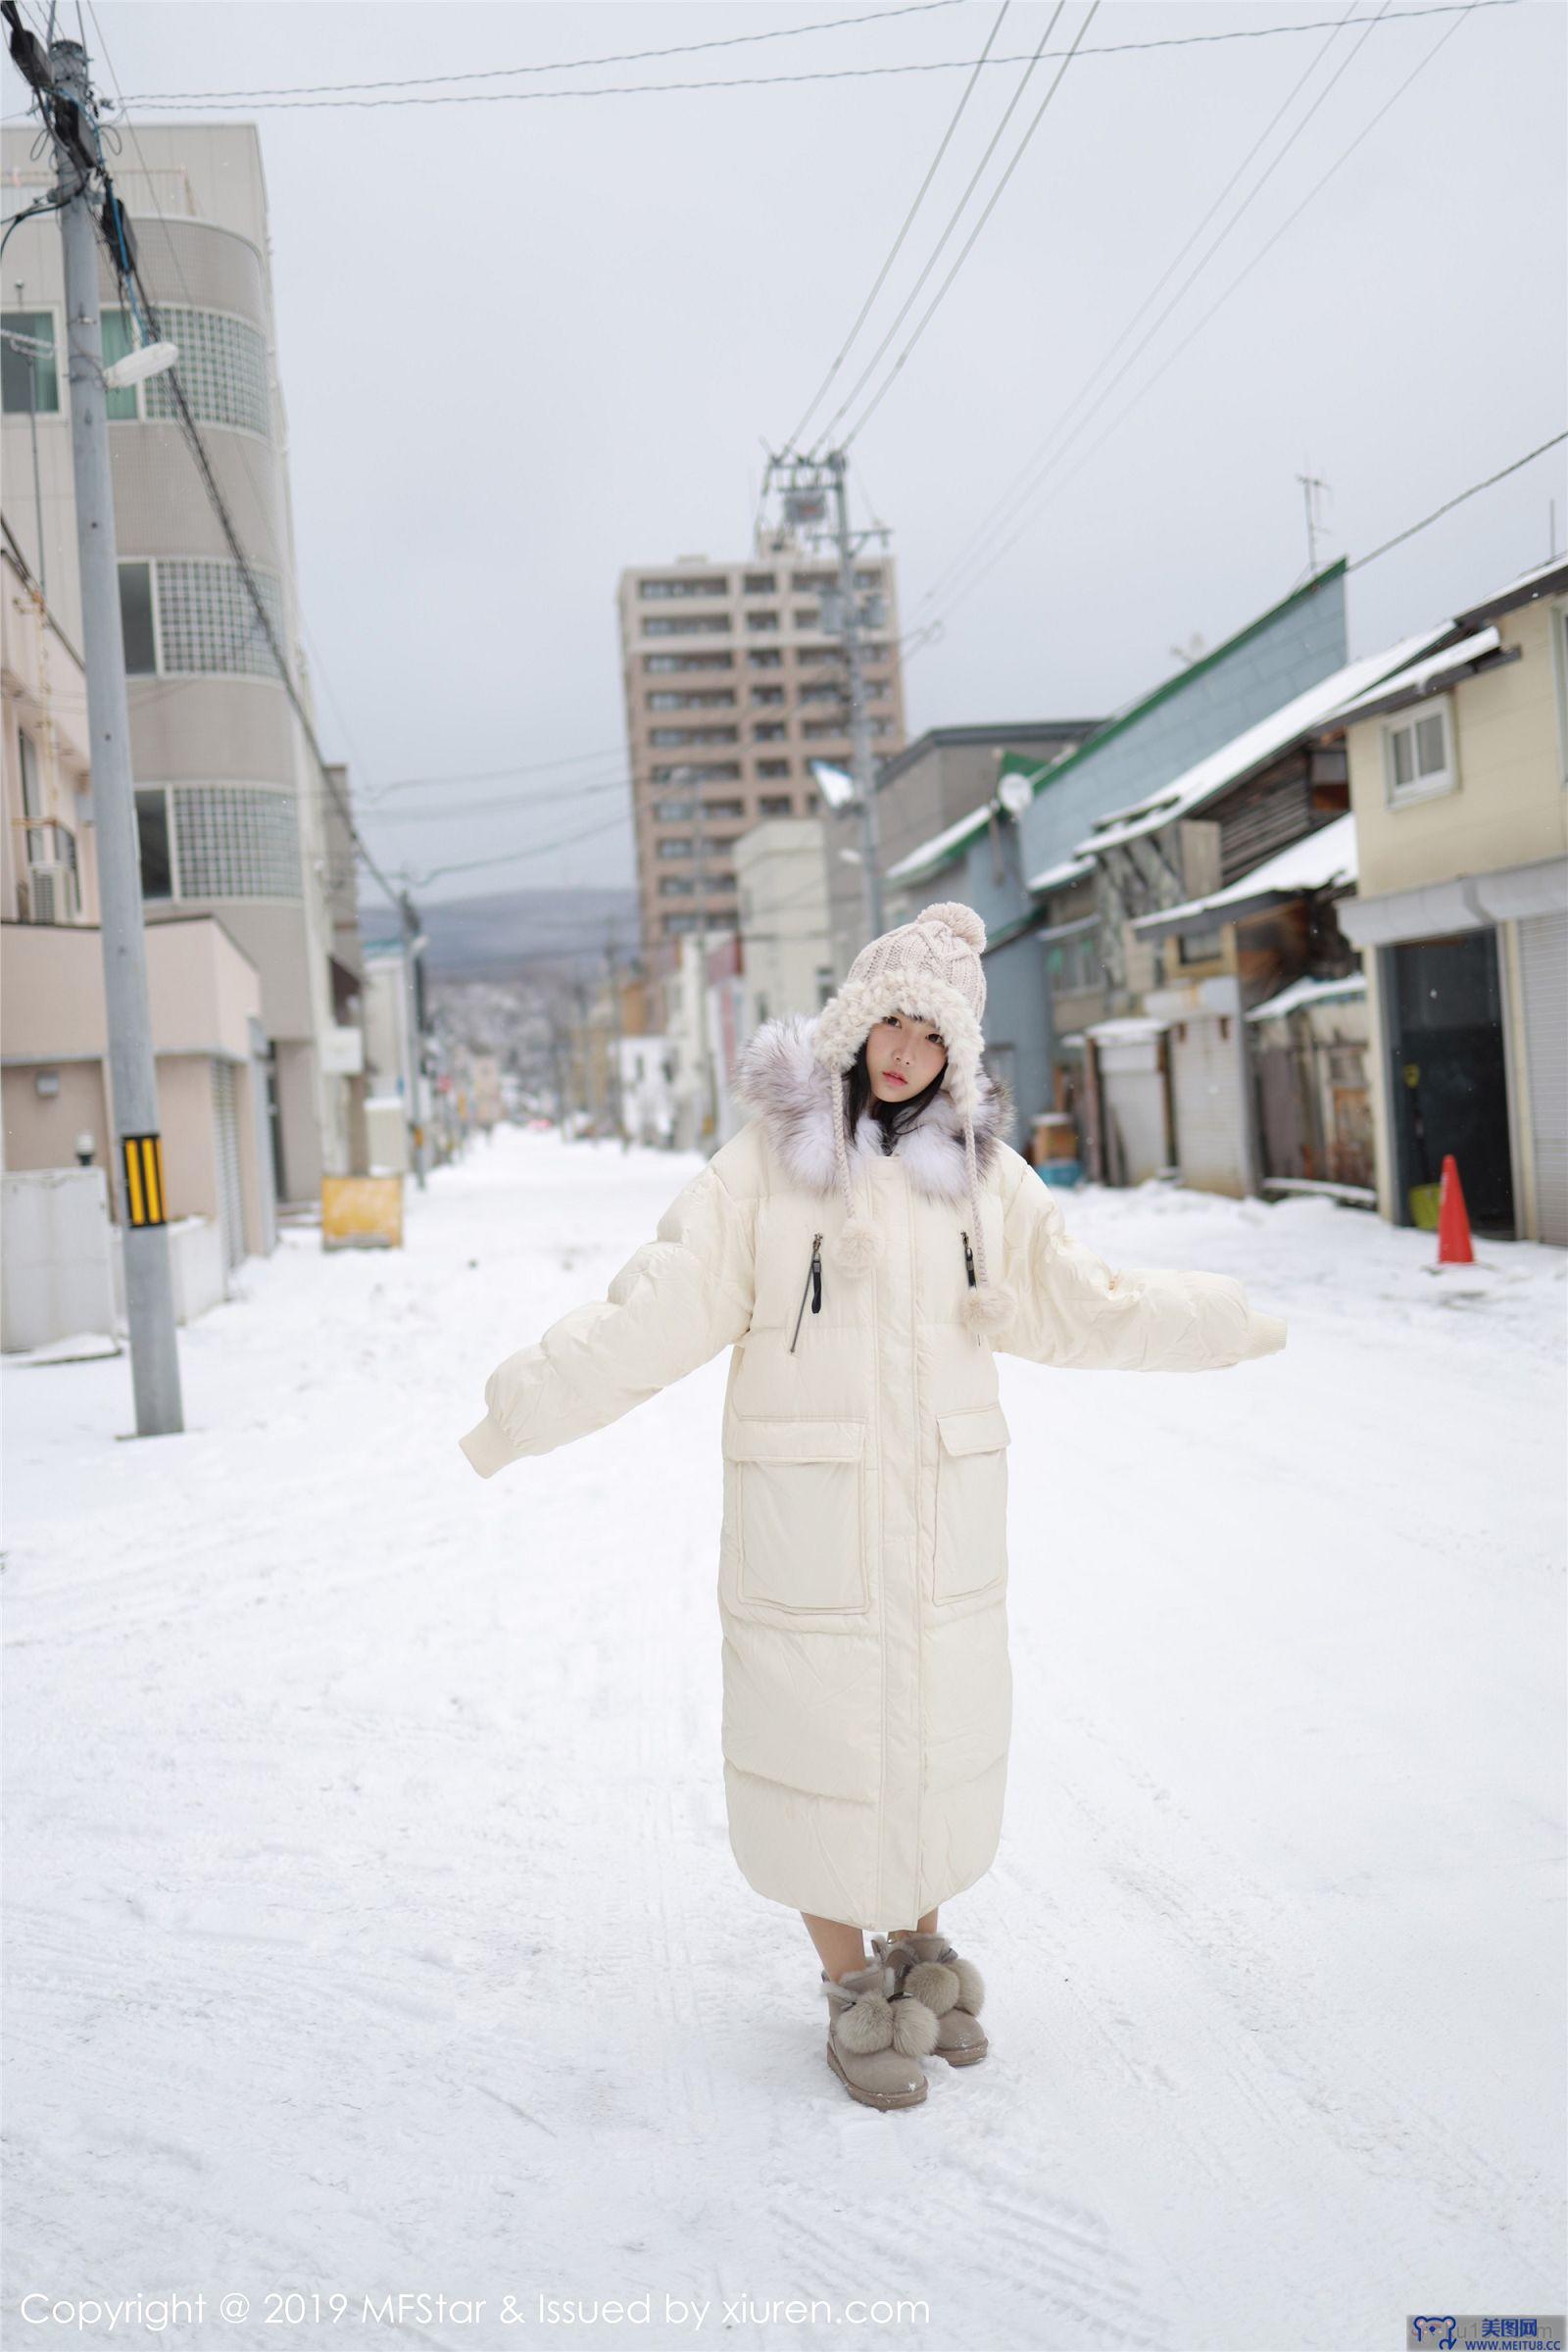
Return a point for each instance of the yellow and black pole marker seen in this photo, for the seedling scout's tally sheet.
(142, 1158)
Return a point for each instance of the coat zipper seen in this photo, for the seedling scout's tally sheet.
(969, 1262)
(814, 1284)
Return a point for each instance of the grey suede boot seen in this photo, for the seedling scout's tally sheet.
(877, 2037)
(927, 1968)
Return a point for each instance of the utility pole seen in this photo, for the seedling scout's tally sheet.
(413, 943)
(862, 766)
(815, 500)
(133, 1071)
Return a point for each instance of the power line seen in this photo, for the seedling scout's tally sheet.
(898, 243)
(888, 381)
(498, 775)
(953, 569)
(246, 102)
(568, 65)
(824, 437)
(1437, 513)
(1215, 308)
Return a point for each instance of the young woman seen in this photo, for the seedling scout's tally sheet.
(866, 1244)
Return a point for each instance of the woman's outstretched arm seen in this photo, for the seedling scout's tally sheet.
(676, 1302)
(1072, 1309)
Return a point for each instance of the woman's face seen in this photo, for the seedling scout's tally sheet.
(902, 1055)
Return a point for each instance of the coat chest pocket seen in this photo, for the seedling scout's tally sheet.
(799, 1513)
(971, 1506)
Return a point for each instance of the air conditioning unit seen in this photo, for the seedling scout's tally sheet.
(49, 894)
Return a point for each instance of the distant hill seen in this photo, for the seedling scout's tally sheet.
(515, 934)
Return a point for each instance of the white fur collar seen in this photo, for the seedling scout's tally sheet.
(779, 1076)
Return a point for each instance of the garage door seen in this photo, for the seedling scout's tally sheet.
(1209, 1146)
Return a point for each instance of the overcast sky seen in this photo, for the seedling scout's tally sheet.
(525, 344)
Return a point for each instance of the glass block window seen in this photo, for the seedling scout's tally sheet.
(222, 367)
(207, 620)
(235, 841)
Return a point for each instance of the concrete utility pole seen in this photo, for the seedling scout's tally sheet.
(862, 764)
(413, 943)
(815, 493)
(133, 1071)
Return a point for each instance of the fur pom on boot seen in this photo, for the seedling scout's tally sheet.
(877, 2037)
(857, 1248)
(926, 1969)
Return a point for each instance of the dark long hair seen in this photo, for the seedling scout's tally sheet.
(892, 1118)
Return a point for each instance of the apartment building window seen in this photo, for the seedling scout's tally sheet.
(868, 579)
(671, 812)
(771, 730)
(810, 583)
(235, 841)
(711, 771)
(775, 804)
(762, 583)
(676, 886)
(674, 848)
(676, 926)
(1419, 753)
(766, 657)
(818, 730)
(136, 619)
(650, 589)
(807, 616)
(686, 625)
(768, 694)
(721, 886)
(155, 842)
(724, 809)
(194, 613)
(29, 380)
(772, 768)
(760, 622)
(716, 699)
(687, 658)
(823, 690)
(880, 726)
(670, 738)
(819, 657)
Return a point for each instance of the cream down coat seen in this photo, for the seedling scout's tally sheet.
(862, 1568)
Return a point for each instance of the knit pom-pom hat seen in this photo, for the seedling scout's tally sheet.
(931, 970)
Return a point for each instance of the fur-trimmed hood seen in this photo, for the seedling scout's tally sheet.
(779, 1076)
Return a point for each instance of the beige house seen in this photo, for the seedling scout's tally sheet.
(786, 954)
(1458, 772)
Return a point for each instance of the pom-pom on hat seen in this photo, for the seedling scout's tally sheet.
(929, 968)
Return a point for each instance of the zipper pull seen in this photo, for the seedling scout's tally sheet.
(814, 1281)
(969, 1262)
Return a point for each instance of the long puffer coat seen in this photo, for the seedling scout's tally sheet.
(863, 1569)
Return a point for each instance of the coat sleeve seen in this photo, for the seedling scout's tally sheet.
(676, 1302)
(1073, 1310)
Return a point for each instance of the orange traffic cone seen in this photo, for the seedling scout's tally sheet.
(1454, 1224)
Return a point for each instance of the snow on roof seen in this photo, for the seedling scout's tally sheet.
(1054, 877)
(1130, 1031)
(1317, 862)
(1254, 748)
(1420, 677)
(1307, 992)
(932, 852)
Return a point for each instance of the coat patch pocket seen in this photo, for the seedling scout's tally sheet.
(800, 1513)
(971, 1507)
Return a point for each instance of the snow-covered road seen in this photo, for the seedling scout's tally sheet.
(372, 1926)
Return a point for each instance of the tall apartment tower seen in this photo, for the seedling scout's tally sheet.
(233, 818)
(732, 687)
